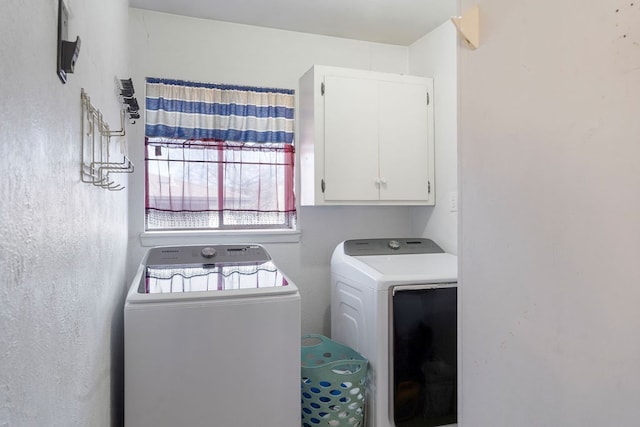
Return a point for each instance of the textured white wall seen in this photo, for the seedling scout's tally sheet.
(550, 215)
(63, 243)
(171, 46)
(435, 55)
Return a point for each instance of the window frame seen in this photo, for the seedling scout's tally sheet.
(287, 227)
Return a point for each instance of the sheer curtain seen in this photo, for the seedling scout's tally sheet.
(218, 156)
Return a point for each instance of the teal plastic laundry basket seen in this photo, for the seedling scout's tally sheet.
(333, 383)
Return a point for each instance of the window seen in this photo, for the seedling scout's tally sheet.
(218, 156)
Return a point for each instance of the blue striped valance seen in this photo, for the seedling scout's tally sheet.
(178, 109)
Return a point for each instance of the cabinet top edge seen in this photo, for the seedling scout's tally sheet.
(360, 73)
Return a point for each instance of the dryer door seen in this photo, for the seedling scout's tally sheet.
(424, 355)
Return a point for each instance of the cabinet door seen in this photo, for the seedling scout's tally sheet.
(404, 144)
(350, 139)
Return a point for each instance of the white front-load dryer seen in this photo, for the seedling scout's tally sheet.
(395, 302)
(212, 338)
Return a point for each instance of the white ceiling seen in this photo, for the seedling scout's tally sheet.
(399, 22)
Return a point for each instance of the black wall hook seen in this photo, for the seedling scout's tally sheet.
(68, 51)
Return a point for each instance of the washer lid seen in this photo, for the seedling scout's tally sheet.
(162, 280)
(207, 272)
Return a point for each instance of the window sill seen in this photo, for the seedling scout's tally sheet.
(172, 238)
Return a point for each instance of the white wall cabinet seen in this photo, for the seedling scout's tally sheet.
(365, 138)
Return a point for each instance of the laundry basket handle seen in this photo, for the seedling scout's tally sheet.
(314, 340)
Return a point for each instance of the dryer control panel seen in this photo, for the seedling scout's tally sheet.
(399, 246)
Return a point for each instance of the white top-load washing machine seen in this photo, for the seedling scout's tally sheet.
(212, 338)
(395, 302)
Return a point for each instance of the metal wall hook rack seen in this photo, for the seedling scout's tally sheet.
(98, 148)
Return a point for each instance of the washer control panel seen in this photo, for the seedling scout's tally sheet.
(401, 246)
(173, 256)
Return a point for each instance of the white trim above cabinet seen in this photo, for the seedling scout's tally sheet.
(366, 138)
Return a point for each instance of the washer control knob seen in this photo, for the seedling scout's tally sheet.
(208, 252)
(394, 244)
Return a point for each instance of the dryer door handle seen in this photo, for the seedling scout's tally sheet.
(401, 288)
